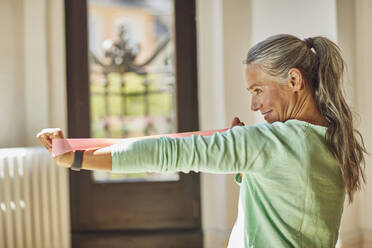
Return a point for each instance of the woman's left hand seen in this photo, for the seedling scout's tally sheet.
(236, 122)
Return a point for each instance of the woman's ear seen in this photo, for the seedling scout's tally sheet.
(295, 79)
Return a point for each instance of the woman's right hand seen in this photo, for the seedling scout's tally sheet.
(236, 122)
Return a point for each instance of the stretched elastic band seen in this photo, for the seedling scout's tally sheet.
(61, 146)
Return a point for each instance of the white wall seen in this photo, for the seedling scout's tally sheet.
(12, 109)
(32, 70)
(350, 234)
(363, 67)
(212, 115)
(355, 36)
(301, 18)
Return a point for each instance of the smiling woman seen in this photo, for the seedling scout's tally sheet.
(279, 99)
(293, 171)
(303, 80)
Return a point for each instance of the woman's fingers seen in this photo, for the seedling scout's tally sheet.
(43, 141)
(46, 136)
(58, 134)
(236, 122)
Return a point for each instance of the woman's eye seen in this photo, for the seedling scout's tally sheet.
(257, 91)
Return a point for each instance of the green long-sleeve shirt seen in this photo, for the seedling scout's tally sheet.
(291, 189)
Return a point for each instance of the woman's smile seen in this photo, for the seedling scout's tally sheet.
(266, 114)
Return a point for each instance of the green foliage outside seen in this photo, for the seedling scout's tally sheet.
(160, 104)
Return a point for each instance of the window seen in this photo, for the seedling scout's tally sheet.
(132, 74)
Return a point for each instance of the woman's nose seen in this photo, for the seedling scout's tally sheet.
(255, 105)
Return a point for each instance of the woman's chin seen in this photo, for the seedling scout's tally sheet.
(269, 118)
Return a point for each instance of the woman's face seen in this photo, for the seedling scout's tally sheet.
(272, 98)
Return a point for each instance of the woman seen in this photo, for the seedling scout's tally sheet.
(293, 171)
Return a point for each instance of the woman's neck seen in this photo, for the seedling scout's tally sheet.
(308, 111)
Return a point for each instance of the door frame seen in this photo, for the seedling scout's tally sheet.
(78, 99)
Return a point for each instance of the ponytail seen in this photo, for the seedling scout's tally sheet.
(344, 141)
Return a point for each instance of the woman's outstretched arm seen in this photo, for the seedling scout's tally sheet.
(97, 161)
(91, 161)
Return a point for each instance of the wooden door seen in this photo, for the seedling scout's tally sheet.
(140, 214)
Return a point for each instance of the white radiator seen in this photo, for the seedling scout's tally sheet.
(34, 200)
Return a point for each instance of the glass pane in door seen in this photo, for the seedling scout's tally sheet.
(132, 74)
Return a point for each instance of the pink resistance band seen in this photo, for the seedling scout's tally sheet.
(61, 146)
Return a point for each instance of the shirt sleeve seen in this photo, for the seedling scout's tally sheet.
(232, 151)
